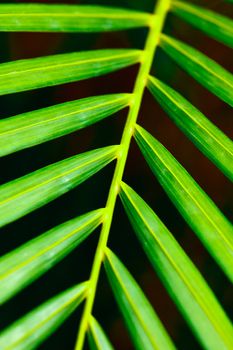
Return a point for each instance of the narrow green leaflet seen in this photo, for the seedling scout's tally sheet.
(206, 71)
(28, 262)
(146, 330)
(181, 278)
(213, 229)
(206, 136)
(35, 127)
(23, 195)
(96, 337)
(216, 26)
(32, 329)
(52, 70)
(68, 18)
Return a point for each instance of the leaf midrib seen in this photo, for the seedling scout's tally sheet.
(151, 44)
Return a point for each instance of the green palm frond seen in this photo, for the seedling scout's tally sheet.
(28, 262)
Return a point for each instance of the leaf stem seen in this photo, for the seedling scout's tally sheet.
(156, 26)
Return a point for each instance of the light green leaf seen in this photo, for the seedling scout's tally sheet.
(52, 70)
(68, 18)
(181, 278)
(206, 136)
(35, 127)
(32, 329)
(216, 26)
(146, 330)
(96, 337)
(213, 229)
(206, 71)
(23, 195)
(23, 265)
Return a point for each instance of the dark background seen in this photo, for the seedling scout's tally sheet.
(93, 193)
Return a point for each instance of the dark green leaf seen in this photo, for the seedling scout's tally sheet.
(147, 332)
(181, 278)
(214, 230)
(28, 262)
(216, 26)
(206, 136)
(206, 71)
(46, 71)
(97, 338)
(23, 195)
(68, 18)
(35, 127)
(29, 331)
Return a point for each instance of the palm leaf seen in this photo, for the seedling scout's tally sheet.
(186, 286)
(28, 262)
(179, 275)
(29, 331)
(146, 330)
(206, 71)
(39, 72)
(32, 128)
(29, 192)
(197, 208)
(216, 26)
(68, 18)
(206, 136)
(96, 336)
